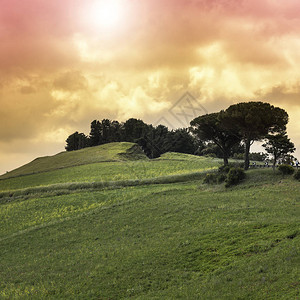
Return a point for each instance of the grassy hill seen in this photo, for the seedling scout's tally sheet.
(157, 239)
(126, 162)
(104, 153)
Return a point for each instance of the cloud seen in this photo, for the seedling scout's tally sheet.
(287, 94)
(70, 81)
(27, 90)
(58, 71)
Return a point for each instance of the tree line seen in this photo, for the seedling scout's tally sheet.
(154, 140)
(225, 134)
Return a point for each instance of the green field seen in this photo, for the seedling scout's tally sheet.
(111, 171)
(109, 152)
(172, 240)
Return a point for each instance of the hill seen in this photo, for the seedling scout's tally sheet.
(153, 232)
(129, 164)
(104, 153)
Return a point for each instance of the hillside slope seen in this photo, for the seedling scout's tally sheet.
(126, 227)
(109, 152)
(173, 166)
(160, 241)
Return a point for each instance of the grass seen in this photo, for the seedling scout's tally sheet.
(154, 242)
(173, 240)
(108, 152)
(112, 171)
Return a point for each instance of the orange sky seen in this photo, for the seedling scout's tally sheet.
(65, 63)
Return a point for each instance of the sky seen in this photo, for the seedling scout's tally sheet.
(65, 63)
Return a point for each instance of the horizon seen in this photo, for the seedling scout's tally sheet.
(64, 64)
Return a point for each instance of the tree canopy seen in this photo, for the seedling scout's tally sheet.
(222, 134)
(253, 121)
(209, 128)
(279, 146)
(153, 140)
(77, 141)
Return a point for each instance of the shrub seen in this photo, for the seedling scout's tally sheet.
(258, 156)
(226, 169)
(221, 178)
(286, 169)
(210, 178)
(231, 175)
(214, 178)
(211, 155)
(297, 175)
(234, 176)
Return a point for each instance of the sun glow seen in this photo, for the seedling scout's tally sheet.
(106, 14)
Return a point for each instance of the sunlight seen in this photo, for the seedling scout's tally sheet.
(106, 14)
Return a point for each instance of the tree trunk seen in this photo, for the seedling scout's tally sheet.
(274, 162)
(225, 155)
(225, 158)
(247, 150)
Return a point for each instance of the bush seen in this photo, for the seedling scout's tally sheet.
(234, 176)
(297, 175)
(226, 169)
(286, 169)
(258, 156)
(238, 155)
(210, 178)
(211, 155)
(231, 175)
(214, 178)
(221, 178)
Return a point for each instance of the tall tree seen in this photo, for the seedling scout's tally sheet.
(105, 130)
(95, 134)
(134, 129)
(115, 132)
(211, 149)
(180, 140)
(153, 141)
(279, 146)
(77, 141)
(209, 128)
(253, 121)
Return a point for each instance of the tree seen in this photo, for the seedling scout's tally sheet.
(279, 146)
(95, 134)
(115, 132)
(134, 129)
(76, 141)
(258, 156)
(212, 150)
(105, 131)
(253, 121)
(209, 128)
(153, 141)
(180, 140)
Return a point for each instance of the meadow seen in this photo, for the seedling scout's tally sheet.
(176, 240)
(169, 164)
(109, 152)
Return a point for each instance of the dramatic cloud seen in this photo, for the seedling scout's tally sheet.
(65, 63)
